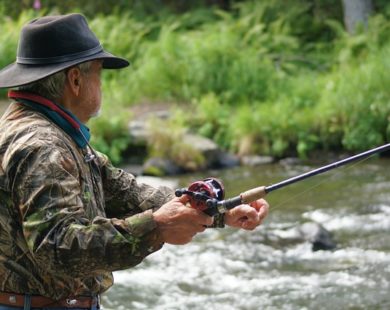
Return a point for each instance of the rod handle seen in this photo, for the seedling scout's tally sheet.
(253, 194)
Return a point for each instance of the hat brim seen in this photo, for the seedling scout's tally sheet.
(16, 74)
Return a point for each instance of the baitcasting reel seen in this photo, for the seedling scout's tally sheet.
(204, 194)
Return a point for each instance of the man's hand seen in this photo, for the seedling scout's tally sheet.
(247, 216)
(177, 223)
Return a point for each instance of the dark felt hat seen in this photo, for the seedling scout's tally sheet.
(50, 44)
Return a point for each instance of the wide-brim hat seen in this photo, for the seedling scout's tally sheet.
(50, 44)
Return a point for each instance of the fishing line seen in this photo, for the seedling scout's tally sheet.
(325, 179)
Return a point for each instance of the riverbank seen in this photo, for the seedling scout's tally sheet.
(160, 161)
(139, 162)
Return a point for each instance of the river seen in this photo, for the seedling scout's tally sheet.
(228, 269)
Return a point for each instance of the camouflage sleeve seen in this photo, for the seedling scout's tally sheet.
(64, 235)
(124, 196)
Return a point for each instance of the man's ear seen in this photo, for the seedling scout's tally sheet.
(73, 79)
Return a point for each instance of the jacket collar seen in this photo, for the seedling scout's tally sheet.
(66, 120)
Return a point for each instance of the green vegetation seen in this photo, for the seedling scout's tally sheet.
(167, 140)
(266, 77)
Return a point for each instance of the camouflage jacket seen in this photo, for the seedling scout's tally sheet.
(65, 224)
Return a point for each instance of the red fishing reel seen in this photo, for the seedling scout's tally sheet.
(200, 192)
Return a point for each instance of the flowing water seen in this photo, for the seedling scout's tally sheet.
(228, 269)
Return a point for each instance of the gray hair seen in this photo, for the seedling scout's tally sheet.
(52, 87)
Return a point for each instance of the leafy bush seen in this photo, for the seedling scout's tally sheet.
(167, 140)
(211, 119)
(356, 102)
(110, 134)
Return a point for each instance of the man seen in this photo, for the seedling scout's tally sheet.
(68, 218)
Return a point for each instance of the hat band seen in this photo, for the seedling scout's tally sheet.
(58, 59)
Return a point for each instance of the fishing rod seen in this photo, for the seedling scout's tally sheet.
(208, 195)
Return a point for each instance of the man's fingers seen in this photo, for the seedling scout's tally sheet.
(203, 219)
(264, 212)
(262, 207)
(259, 204)
(249, 226)
(198, 217)
(201, 228)
(248, 213)
(183, 199)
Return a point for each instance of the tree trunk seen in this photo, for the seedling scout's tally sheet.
(356, 12)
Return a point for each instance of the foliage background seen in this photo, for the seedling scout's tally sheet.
(275, 77)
